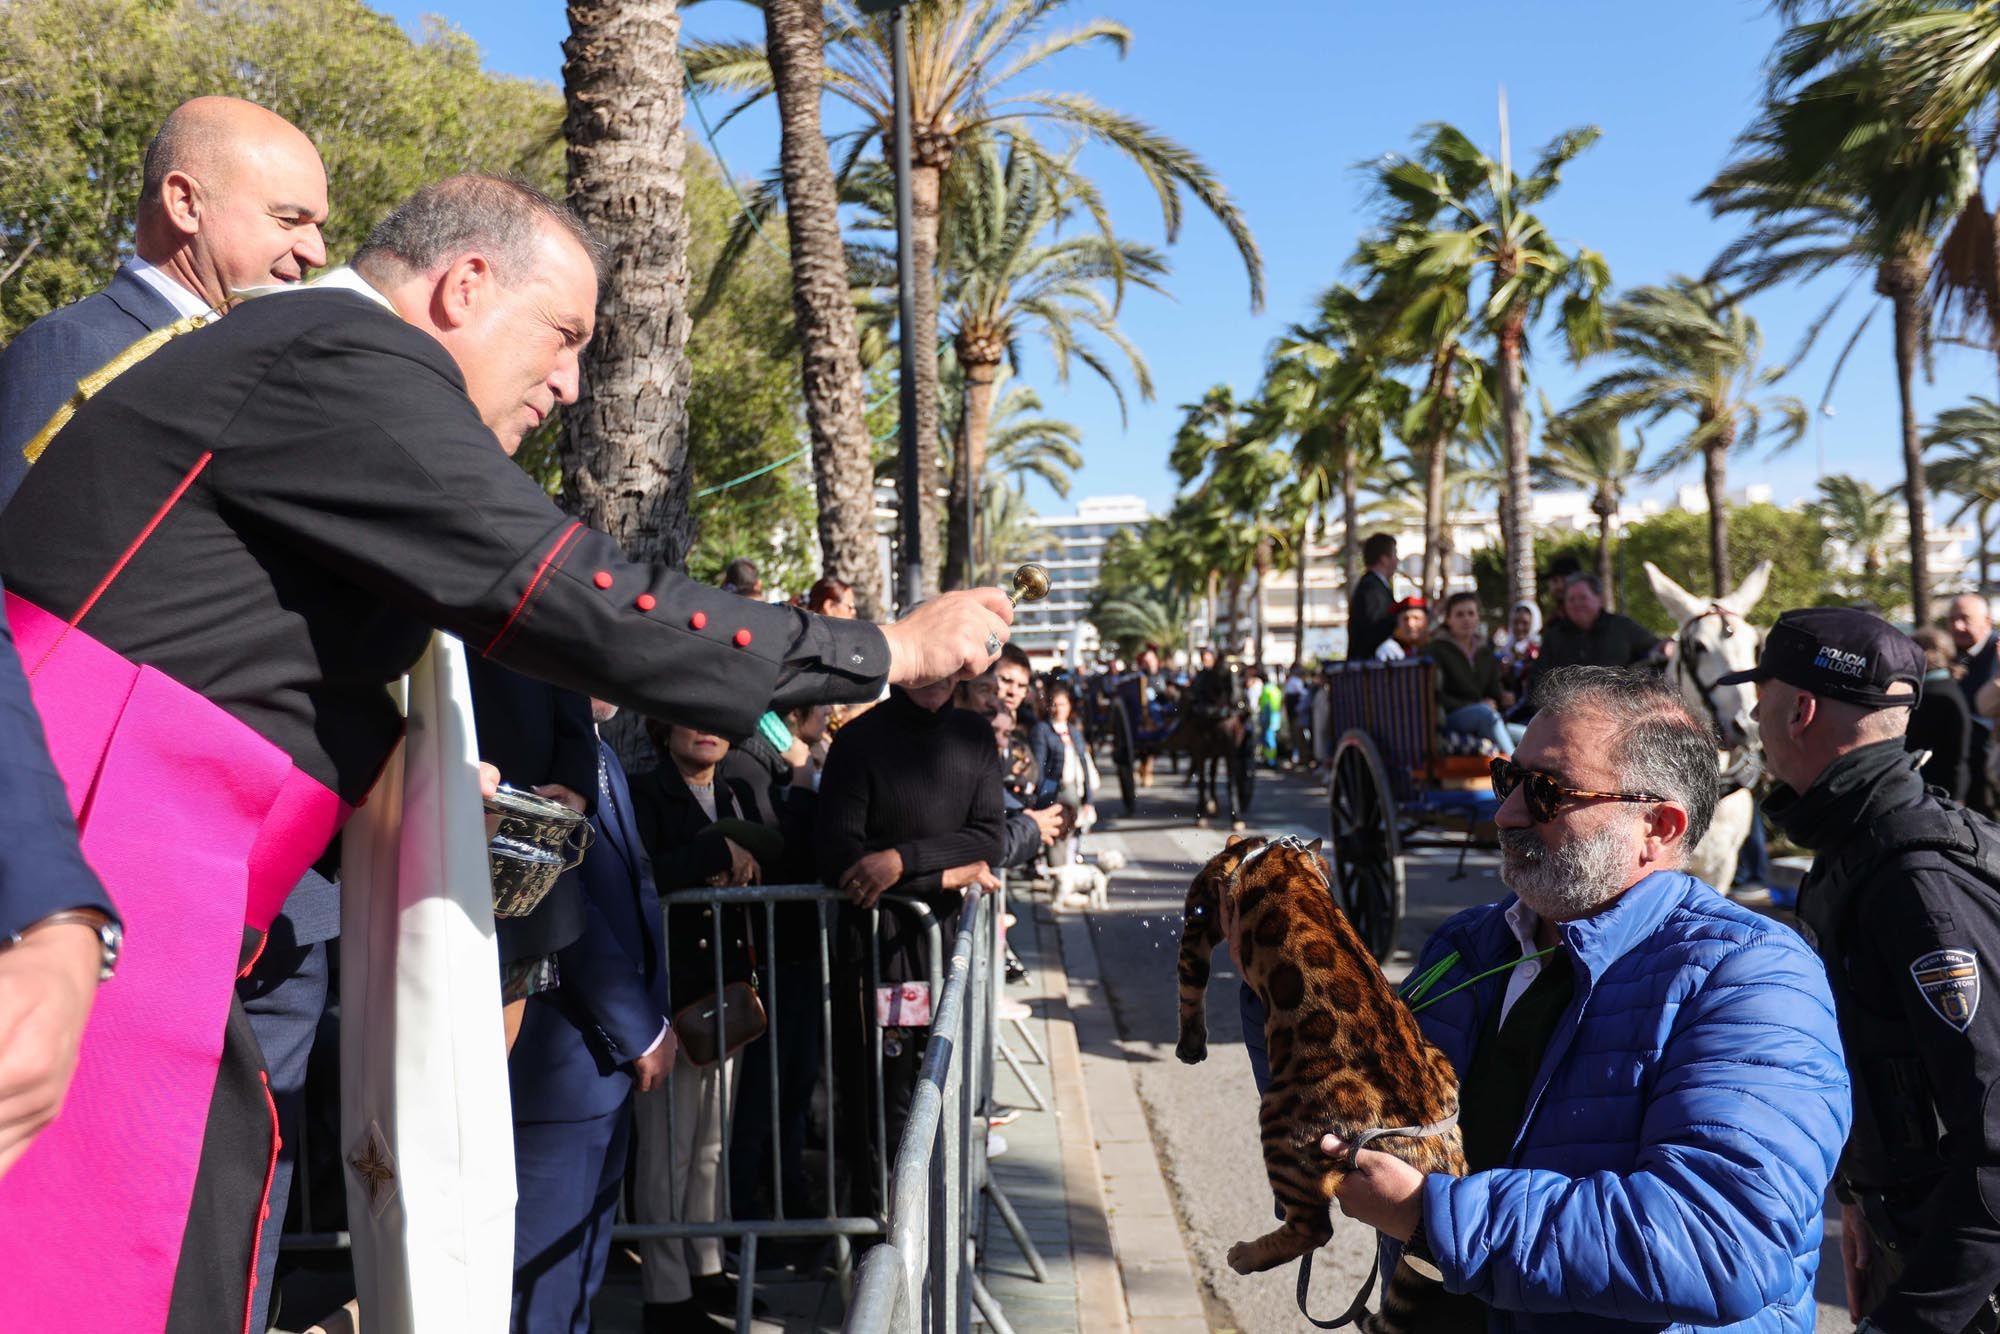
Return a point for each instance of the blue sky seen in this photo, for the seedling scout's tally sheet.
(1284, 97)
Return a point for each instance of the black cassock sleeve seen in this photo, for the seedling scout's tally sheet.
(389, 477)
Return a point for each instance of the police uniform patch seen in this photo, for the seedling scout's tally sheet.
(1949, 981)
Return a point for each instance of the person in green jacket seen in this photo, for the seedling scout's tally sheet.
(1468, 675)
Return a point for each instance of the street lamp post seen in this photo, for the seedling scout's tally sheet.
(911, 587)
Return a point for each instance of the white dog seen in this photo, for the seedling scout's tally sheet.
(1082, 885)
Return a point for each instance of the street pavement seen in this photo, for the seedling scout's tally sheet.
(1204, 1117)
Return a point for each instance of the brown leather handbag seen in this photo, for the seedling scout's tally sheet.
(743, 1017)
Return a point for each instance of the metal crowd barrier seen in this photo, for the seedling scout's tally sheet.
(749, 1232)
(921, 1277)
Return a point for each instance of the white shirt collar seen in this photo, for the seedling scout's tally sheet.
(184, 302)
(347, 280)
(1524, 921)
(341, 278)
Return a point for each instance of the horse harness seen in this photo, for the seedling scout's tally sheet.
(1747, 766)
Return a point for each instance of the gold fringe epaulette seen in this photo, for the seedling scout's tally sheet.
(89, 385)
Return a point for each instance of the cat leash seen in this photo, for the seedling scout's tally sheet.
(1416, 996)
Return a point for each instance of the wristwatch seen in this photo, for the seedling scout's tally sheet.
(1417, 1253)
(110, 935)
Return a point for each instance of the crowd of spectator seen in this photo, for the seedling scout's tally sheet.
(902, 806)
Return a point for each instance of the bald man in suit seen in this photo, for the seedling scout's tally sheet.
(232, 198)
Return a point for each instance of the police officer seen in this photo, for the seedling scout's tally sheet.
(1903, 904)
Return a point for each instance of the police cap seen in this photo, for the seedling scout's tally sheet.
(1839, 653)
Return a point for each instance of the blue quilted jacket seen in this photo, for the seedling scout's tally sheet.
(1670, 1170)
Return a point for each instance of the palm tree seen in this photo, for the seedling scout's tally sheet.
(1135, 616)
(1833, 176)
(966, 61)
(1465, 211)
(1590, 453)
(1023, 444)
(1329, 389)
(1689, 351)
(1425, 321)
(1942, 63)
(1211, 434)
(624, 441)
(1970, 467)
(829, 349)
(1475, 475)
(1858, 517)
(1010, 273)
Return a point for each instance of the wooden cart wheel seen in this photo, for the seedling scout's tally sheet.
(1124, 755)
(1366, 847)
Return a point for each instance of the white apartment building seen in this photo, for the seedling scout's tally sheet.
(1054, 629)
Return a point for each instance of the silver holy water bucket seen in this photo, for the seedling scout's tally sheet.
(537, 840)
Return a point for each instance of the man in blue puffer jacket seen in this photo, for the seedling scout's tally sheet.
(1653, 1096)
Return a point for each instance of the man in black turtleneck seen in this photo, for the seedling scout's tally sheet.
(1907, 928)
(909, 801)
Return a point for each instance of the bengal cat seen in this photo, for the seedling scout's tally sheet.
(1346, 1054)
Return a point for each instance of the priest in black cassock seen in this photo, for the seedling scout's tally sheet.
(212, 573)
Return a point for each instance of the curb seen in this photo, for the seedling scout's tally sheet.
(1100, 1287)
(1145, 1254)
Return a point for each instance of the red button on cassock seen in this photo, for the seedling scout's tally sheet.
(602, 578)
(743, 639)
(645, 602)
(698, 620)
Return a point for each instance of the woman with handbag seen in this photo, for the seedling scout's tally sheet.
(679, 806)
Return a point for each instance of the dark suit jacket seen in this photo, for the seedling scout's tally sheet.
(536, 734)
(572, 1060)
(1371, 616)
(42, 870)
(39, 370)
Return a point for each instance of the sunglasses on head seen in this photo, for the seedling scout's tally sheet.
(1545, 796)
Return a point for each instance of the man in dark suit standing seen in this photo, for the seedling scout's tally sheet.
(232, 198)
(582, 1050)
(1371, 608)
(541, 739)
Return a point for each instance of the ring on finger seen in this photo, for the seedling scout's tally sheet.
(992, 645)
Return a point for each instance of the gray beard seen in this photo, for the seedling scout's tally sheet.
(1563, 883)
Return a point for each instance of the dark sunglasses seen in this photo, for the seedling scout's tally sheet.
(1544, 795)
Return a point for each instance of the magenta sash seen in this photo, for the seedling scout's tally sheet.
(198, 826)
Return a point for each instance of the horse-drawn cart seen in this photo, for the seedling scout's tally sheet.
(1137, 721)
(1393, 787)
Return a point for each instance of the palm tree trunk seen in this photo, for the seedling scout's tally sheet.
(926, 187)
(1903, 281)
(1257, 606)
(1715, 481)
(1985, 541)
(975, 422)
(823, 307)
(1350, 521)
(1514, 527)
(624, 441)
(1434, 471)
(1607, 506)
(1299, 594)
